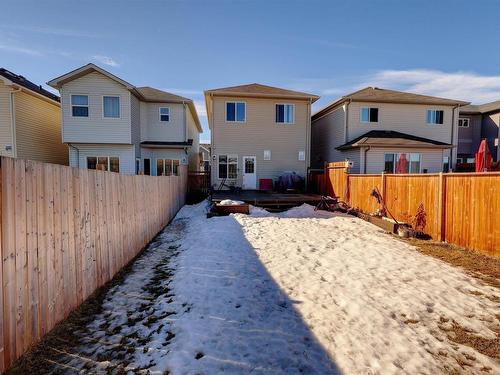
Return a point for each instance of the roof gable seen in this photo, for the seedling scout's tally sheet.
(259, 90)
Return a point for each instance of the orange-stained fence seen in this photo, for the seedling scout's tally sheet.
(461, 208)
(64, 233)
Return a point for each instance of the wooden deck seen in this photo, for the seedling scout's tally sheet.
(268, 200)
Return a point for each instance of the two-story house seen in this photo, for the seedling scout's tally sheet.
(109, 124)
(30, 121)
(258, 132)
(385, 130)
(478, 122)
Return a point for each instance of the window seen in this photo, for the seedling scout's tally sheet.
(147, 166)
(111, 106)
(267, 154)
(137, 165)
(175, 167)
(79, 105)
(168, 167)
(402, 163)
(463, 122)
(369, 114)
(302, 156)
(228, 166)
(471, 160)
(446, 164)
(104, 163)
(235, 112)
(159, 167)
(435, 116)
(285, 113)
(164, 114)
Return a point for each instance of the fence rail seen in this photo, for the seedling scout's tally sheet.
(64, 233)
(461, 208)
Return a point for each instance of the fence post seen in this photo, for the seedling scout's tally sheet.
(441, 208)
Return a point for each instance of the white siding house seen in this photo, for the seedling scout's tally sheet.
(385, 130)
(112, 125)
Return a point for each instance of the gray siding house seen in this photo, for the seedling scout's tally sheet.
(478, 122)
(375, 128)
(112, 125)
(258, 132)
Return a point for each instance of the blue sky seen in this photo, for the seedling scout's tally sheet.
(329, 48)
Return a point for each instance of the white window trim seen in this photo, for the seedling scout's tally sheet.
(227, 166)
(109, 161)
(369, 122)
(433, 123)
(284, 122)
(298, 155)
(159, 114)
(75, 105)
(464, 118)
(407, 153)
(119, 106)
(235, 112)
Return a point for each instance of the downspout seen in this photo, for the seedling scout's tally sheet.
(453, 134)
(346, 120)
(308, 142)
(77, 154)
(13, 122)
(365, 159)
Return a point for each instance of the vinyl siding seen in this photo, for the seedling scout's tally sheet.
(38, 130)
(96, 128)
(194, 134)
(135, 109)
(126, 153)
(469, 138)
(259, 133)
(490, 131)
(5, 121)
(432, 160)
(404, 118)
(354, 156)
(155, 130)
(161, 153)
(327, 133)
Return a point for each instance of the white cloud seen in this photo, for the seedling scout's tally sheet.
(458, 85)
(106, 60)
(201, 109)
(18, 49)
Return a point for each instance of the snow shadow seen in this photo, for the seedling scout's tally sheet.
(238, 320)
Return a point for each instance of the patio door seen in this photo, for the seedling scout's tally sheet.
(249, 173)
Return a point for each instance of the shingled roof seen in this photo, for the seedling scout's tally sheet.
(377, 95)
(22, 81)
(151, 94)
(259, 90)
(481, 108)
(384, 138)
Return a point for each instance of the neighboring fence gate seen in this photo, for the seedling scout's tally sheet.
(461, 208)
(64, 233)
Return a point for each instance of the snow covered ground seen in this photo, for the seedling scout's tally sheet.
(303, 292)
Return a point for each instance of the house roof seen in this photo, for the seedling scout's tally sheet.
(482, 108)
(146, 94)
(19, 80)
(378, 95)
(259, 90)
(390, 138)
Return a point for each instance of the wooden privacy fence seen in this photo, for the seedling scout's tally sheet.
(461, 208)
(64, 233)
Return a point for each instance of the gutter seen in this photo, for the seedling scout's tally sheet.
(366, 152)
(13, 122)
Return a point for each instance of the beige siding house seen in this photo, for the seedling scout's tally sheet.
(112, 125)
(257, 132)
(30, 121)
(376, 128)
(478, 122)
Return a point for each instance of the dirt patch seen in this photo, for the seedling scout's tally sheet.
(480, 266)
(73, 345)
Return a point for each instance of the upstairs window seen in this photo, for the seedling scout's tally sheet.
(164, 114)
(79, 105)
(111, 106)
(285, 113)
(435, 117)
(369, 114)
(463, 122)
(236, 112)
